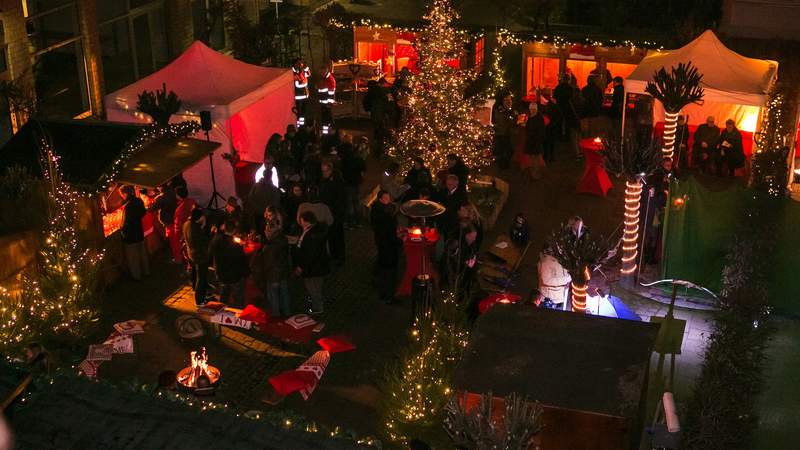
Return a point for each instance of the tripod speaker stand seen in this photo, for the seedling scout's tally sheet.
(206, 125)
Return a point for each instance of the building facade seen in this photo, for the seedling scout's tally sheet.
(68, 53)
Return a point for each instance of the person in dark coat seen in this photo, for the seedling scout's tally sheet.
(417, 177)
(592, 107)
(617, 106)
(132, 234)
(383, 217)
(451, 198)
(230, 264)
(706, 137)
(311, 259)
(456, 166)
(195, 234)
(462, 255)
(534, 142)
(564, 96)
(271, 270)
(331, 192)
(262, 194)
(504, 119)
(353, 168)
(682, 143)
(291, 203)
(376, 104)
(730, 153)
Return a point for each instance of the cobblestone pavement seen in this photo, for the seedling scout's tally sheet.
(349, 393)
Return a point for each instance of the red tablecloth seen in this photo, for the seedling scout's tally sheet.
(595, 180)
(417, 254)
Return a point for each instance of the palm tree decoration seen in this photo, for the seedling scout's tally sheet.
(676, 89)
(579, 254)
(160, 105)
(635, 164)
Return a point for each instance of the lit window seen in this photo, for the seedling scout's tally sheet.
(479, 54)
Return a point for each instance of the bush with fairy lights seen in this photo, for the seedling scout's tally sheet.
(441, 119)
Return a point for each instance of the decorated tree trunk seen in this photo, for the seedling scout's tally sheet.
(670, 128)
(630, 236)
(578, 289)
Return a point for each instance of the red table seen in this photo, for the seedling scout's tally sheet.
(595, 180)
(418, 252)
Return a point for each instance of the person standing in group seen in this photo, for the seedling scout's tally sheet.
(271, 270)
(230, 264)
(730, 153)
(535, 129)
(301, 73)
(326, 92)
(291, 204)
(182, 213)
(353, 169)
(418, 177)
(273, 220)
(375, 103)
(313, 204)
(682, 143)
(504, 120)
(452, 198)
(331, 192)
(383, 217)
(592, 107)
(456, 166)
(617, 106)
(262, 194)
(389, 182)
(195, 233)
(165, 203)
(132, 234)
(311, 259)
(706, 137)
(564, 96)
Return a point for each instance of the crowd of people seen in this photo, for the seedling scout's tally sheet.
(295, 223)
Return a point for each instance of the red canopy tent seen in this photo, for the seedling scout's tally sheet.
(248, 103)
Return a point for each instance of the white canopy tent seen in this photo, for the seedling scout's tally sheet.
(247, 103)
(736, 87)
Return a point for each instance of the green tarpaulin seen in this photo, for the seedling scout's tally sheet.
(700, 227)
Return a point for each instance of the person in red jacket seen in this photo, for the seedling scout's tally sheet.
(326, 93)
(182, 212)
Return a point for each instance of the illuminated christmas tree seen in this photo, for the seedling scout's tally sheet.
(440, 119)
(58, 299)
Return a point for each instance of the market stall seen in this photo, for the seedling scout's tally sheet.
(736, 87)
(543, 62)
(88, 152)
(247, 103)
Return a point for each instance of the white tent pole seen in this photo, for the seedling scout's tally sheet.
(622, 131)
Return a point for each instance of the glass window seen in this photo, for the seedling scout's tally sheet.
(137, 3)
(61, 81)
(117, 55)
(479, 54)
(208, 23)
(144, 49)
(5, 121)
(3, 58)
(40, 6)
(158, 37)
(110, 9)
(50, 29)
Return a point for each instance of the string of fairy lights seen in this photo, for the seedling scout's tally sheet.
(423, 385)
(149, 134)
(440, 119)
(58, 299)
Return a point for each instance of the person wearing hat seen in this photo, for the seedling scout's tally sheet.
(197, 243)
(132, 234)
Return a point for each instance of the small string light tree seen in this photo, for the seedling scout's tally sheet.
(441, 119)
(675, 89)
(419, 383)
(59, 299)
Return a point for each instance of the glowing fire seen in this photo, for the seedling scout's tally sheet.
(199, 367)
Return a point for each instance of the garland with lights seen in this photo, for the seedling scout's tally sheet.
(148, 135)
(418, 385)
(58, 299)
(286, 420)
(440, 119)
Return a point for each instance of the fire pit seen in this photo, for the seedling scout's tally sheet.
(199, 376)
